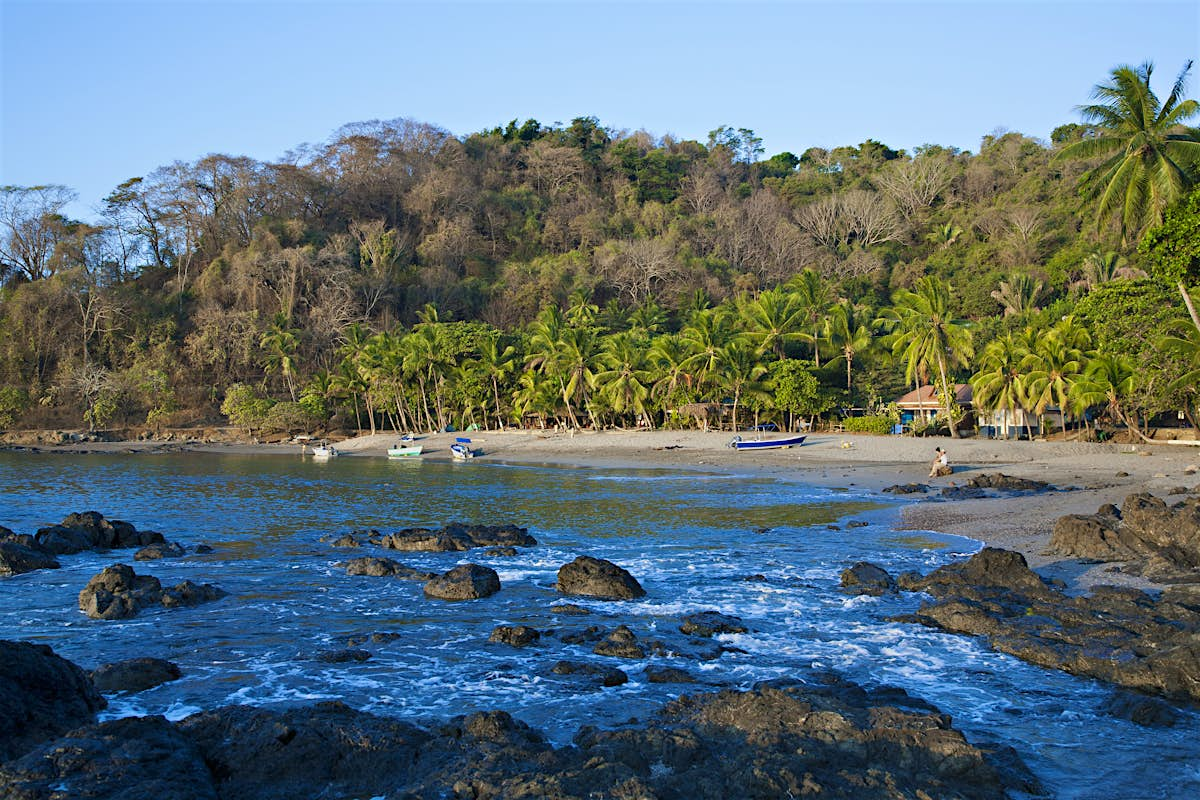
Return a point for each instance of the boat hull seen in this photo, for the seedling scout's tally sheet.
(404, 452)
(768, 444)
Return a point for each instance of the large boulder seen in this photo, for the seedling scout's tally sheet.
(41, 696)
(464, 582)
(17, 558)
(621, 643)
(869, 579)
(135, 758)
(515, 635)
(134, 674)
(596, 577)
(119, 593)
(90, 530)
(1164, 540)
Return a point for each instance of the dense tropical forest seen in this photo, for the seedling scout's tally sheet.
(397, 276)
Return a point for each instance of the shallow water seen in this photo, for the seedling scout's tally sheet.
(691, 539)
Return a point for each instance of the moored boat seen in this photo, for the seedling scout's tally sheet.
(766, 444)
(461, 451)
(324, 452)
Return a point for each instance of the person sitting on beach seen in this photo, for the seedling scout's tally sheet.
(940, 465)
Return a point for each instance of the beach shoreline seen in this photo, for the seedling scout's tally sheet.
(1089, 474)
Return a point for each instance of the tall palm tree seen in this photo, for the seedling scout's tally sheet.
(1150, 157)
(848, 332)
(773, 320)
(673, 384)
(1107, 380)
(741, 372)
(927, 336)
(497, 364)
(1018, 294)
(280, 343)
(1053, 366)
(816, 297)
(999, 384)
(705, 336)
(625, 377)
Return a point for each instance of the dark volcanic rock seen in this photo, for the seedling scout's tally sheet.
(385, 568)
(596, 577)
(161, 550)
(621, 643)
(119, 593)
(1119, 635)
(515, 635)
(1007, 483)
(136, 758)
(501, 552)
(908, 488)
(668, 675)
(1141, 710)
(92, 531)
(869, 579)
(592, 633)
(17, 558)
(1163, 539)
(604, 676)
(343, 656)
(41, 696)
(346, 540)
(458, 537)
(464, 582)
(708, 623)
(570, 609)
(134, 675)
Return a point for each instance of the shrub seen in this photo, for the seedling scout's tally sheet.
(875, 423)
(13, 402)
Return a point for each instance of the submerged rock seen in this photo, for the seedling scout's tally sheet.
(603, 676)
(515, 635)
(706, 624)
(42, 695)
(385, 568)
(464, 582)
(668, 675)
(343, 656)
(869, 579)
(161, 550)
(596, 577)
(134, 675)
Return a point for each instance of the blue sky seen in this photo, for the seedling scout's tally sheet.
(94, 93)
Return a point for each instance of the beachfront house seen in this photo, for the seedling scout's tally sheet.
(922, 405)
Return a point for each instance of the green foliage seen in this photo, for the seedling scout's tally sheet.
(287, 417)
(244, 407)
(1172, 249)
(13, 403)
(874, 423)
(797, 390)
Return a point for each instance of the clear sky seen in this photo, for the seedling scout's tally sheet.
(97, 92)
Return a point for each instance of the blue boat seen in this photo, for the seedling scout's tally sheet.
(766, 444)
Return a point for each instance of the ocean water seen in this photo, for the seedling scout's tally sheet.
(761, 549)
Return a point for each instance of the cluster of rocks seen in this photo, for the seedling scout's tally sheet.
(1160, 540)
(86, 531)
(458, 537)
(989, 485)
(119, 593)
(1120, 635)
(827, 738)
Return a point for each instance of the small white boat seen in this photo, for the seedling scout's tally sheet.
(461, 452)
(324, 452)
(404, 452)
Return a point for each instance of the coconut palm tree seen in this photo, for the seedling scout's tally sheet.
(773, 320)
(280, 343)
(1107, 380)
(815, 295)
(924, 333)
(705, 336)
(999, 384)
(1150, 157)
(1052, 367)
(673, 383)
(625, 376)
(497, 364)
(848, 332)
(741, 372)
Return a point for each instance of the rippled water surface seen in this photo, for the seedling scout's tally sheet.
(761, 549)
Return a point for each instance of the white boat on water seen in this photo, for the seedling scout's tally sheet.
(401, 451)
(324, 452)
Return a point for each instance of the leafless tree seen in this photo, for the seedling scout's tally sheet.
(822, 220)
(914, 185)
(870, 218)
(31, 225)
(637, 267)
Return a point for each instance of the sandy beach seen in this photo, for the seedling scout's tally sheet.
(1092, 473)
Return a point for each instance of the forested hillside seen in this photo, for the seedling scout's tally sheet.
(397, 275)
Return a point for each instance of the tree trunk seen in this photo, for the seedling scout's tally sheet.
(1187, 301)
(948, 398)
